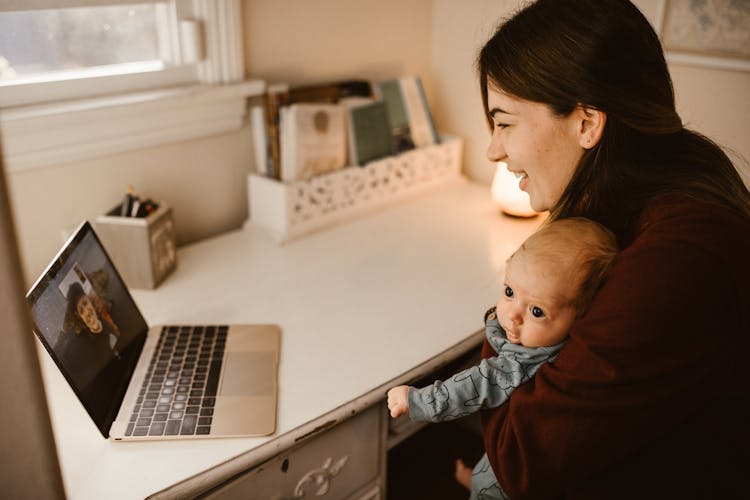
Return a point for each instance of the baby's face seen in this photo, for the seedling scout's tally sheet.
(535, 308)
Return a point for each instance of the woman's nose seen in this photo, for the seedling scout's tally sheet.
(496, 150)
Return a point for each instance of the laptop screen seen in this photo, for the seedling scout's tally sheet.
(88, 322)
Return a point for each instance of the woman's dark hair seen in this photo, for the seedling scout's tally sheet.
(72, 320)
(605, 55)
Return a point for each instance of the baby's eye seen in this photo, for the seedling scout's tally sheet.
(536, 312)
(508, 291)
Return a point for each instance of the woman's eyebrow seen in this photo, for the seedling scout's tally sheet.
(495, 111)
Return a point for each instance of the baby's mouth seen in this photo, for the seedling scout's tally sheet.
(512, 337)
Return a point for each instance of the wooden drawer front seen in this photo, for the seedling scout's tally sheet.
(333, 465)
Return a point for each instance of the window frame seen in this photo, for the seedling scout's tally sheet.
(195, 100)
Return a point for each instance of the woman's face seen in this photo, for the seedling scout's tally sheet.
(87, 313)
(540, 147)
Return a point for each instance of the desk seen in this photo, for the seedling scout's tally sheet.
(362, 306)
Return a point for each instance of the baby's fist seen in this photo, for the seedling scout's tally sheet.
(397, 400)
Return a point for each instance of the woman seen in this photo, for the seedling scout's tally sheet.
(648, 397)
(88, 313)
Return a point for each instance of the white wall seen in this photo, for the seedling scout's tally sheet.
(313, 41)
(714, 102)
(204, 180)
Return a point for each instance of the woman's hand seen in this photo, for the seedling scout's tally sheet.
(397, 400)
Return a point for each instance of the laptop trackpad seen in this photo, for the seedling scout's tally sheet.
(248, 374)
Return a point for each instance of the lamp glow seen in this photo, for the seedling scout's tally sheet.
(508, 195)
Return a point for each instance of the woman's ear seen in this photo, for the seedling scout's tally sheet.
(592, 122)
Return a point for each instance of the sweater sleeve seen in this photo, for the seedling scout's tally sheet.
(487, 385)
(646, 390)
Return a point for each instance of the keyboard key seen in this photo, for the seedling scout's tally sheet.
(143, 421)
(162, 407)
(151, 403)
(205, 420)
(214, 373)
(180, 397)
(209, 402)
(178, 406)
(202, 430)
(194, 401)
(129, 430)
(176, 415)
(192, 410)
(173, 427)
(188, 425)
(140, 431)
(147, 413)
(157, 429)
(160, 417)
(207, 412)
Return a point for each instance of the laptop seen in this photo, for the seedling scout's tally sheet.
(150, 383)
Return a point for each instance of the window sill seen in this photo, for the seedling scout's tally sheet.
(51, 134)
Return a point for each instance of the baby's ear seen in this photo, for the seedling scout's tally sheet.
(591, 122)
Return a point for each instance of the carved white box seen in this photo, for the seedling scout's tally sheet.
(294, 209)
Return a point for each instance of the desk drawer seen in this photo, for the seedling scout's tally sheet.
(334, 465)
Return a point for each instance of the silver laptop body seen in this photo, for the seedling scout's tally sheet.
(205, 380)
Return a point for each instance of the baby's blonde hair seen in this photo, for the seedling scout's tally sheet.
(578, 246)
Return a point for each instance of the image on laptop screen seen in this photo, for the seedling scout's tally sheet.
(88, 322)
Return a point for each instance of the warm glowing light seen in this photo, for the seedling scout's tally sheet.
(508, 195)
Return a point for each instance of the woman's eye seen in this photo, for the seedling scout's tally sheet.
(508, 291)
(536, 312)
(501, 125)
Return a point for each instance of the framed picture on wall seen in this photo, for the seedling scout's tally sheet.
(711, 33)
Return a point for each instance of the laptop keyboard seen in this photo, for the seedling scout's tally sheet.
(179, 392)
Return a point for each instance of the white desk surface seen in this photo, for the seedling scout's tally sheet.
(359, 305)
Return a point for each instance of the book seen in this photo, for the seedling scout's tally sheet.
(389, 91)
(369, 132)
(421, 124)
(280, 94)
(313, 140)
(330, 92)
(261, 148)
(274, 98)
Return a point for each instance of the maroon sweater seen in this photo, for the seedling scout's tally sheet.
(648, 398)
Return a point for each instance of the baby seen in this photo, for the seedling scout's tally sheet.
(549, 282)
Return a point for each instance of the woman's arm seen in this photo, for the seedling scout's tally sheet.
(646, 391)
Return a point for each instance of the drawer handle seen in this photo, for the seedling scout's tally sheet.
(320, 478)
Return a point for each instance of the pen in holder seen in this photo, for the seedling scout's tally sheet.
(142, 247)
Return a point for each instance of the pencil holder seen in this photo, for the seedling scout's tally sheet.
(290, 210)
(143, 249)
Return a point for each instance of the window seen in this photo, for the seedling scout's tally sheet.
(61, 53)
(81, 78)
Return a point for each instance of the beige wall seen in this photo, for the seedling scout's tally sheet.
(316, 41)
(715, 102)
(313, 41)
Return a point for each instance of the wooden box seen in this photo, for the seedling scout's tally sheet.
(143, 249)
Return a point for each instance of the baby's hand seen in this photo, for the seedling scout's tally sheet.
(397, 400)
